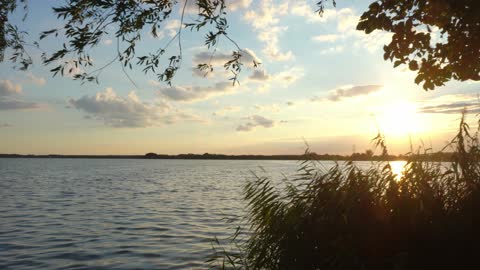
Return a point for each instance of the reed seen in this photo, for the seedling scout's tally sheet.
(352, 218)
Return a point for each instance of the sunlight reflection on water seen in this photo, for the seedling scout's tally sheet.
(398, 168)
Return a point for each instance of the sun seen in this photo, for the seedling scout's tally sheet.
(398, 119)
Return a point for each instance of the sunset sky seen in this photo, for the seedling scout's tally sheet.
(320, 81)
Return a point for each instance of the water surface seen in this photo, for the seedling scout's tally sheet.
(119, 213)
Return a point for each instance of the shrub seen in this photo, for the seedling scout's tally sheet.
(352, 218)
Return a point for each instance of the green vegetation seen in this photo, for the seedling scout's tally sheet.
(436, 39)
(352, 218)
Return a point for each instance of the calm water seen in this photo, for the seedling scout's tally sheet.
(118, 214)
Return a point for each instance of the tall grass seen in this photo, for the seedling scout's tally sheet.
(352, 218)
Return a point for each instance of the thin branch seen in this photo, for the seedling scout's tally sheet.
(123, 68)
(233, 41)
(180, 30)
(104, 66)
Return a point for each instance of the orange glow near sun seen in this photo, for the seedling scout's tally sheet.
(398, 119)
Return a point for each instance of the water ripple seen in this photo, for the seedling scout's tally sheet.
(118, 214)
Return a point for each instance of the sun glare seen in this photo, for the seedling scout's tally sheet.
(398, 119)
(398, 168)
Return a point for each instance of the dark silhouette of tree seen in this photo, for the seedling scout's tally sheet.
(454, 54)
(439, 39)
(11, 37)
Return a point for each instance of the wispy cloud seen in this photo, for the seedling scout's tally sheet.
(453, 104)
(40, 81)
(226, 110)
(196, 93)
(345, 21)
(349, 92)
(326, 38)
(256, 121)
(12, 104)
(453, 108)
(333, 50)
(268, 108)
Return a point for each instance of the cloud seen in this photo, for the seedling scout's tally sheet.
(220, 58)
(281, 79)
(303, 9)
(216, 59)
(154, 83)
(226, 110)
(129, 111)
(349, 92)
(347, 27)
(5, 125)
(373, 41)
(203, 74)
(453, 104)
(452, 108)
(289, 76)
(259, 75)
(8, 97)
(107, 42)
(332, 50)
(271, 38)
(8, 88)
(13, 104)
(256, 121)
(168, 29)
(266, 14)
(264, 20)
(268, 108)
(40, 81)
(171, 27)
(196, 93)
(326, 38)
(345, 21)
(232, 5)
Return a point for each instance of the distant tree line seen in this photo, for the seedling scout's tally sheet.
(367, 156)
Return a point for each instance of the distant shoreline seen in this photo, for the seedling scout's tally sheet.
(206, 156)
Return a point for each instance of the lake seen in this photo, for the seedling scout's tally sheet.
(120, 213)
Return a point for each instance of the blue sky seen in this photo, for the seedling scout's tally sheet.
(320, 81)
